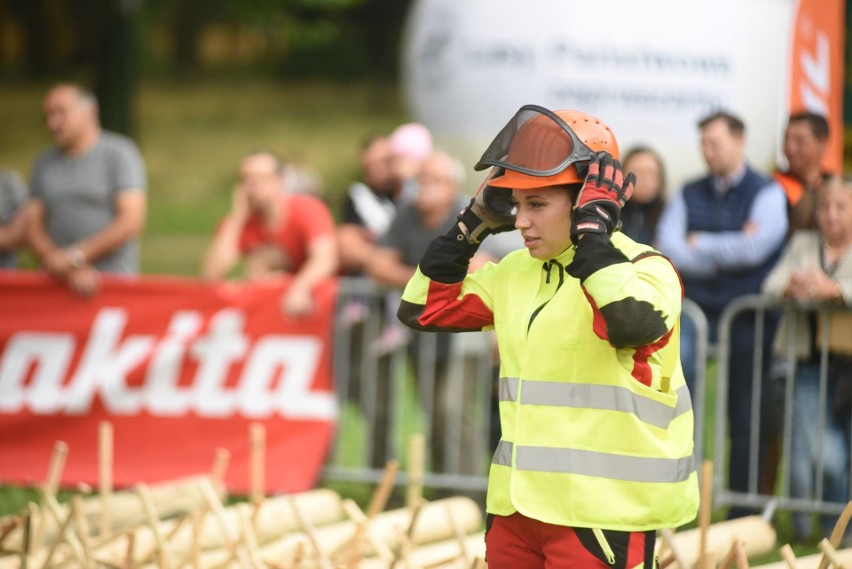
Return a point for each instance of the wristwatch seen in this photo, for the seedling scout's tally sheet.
(77, 258)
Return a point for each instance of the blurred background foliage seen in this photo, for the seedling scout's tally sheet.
(198, 83)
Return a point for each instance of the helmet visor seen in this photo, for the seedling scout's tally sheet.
(536, 142)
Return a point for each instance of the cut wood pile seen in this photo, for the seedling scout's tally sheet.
(187, 524)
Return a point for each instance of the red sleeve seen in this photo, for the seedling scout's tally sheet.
(314, 216)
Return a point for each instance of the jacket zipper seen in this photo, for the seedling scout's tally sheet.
(610, 555)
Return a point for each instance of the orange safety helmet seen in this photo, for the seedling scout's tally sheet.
(539, 147)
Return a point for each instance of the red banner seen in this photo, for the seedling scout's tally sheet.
(180, 368)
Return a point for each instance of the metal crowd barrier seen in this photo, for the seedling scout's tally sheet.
(393, 382)
(753, 497)
(702, 354)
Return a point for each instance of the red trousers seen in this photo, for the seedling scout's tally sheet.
(519, 542)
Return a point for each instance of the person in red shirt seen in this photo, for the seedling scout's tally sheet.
(274, 231)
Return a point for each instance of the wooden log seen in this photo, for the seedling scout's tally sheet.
(169, 498)
(274, 519)
(437, 554)
(431, 526)
(757, 533)
(811, 561)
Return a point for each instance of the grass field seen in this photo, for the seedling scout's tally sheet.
(192, 135)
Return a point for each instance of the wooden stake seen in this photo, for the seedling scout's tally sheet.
(729, 558)
(668, 538)
(298, 554)
(741, 558)
(105, 466)
(257, 450)
(829, 551)
(788, 556)
(52, 506)
(25, 546)
(708, 560)
(8, 528)
(460, 536)
(36, 527)
(154, 522)
(406, 540)
(197, 524)
(837, 532)
(415, 470)
(232, 539)
(82, 527)
(57, 465)
(308, 528)
(56, 541)
(379, 499)
(704, 509)
(352, 547)
(249, 536)
(128, 556)
(220, 466)
(478, 563)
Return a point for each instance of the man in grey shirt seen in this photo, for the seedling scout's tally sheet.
(87, 201)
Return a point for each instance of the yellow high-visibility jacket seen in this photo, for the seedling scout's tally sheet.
(596, 418)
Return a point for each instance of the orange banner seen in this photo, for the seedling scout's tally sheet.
(816, 69)
(179, 367)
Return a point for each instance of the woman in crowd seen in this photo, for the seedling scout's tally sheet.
(640, 215)
(817, 267)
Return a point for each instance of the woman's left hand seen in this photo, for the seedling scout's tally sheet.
(811, 284)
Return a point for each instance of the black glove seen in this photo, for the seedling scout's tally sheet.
(604, 193)
(490, 211)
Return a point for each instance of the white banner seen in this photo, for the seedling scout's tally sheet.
(649, 69)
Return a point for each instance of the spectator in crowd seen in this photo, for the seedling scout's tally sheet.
(817, 266)
(392, 263)
(369, 205)
(87, 202)
(640, 215)
(724, 232)
(410, 145)
(805, 141)
(275, 232)
(13, 195)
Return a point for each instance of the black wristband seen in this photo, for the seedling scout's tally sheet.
(594, 252)
(447, 258)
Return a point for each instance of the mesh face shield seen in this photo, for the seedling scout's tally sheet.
(536, 142)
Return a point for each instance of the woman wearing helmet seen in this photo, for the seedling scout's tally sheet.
(596, 451)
